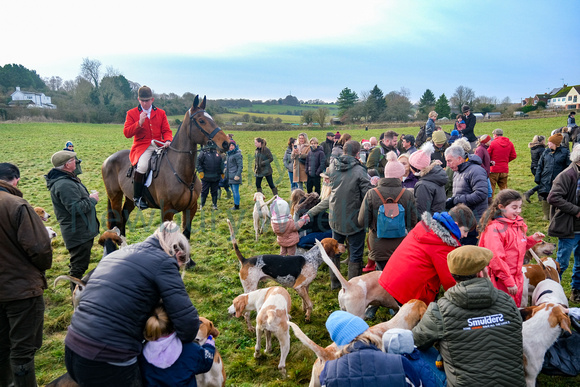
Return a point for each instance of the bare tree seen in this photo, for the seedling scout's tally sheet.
(463, 96)
(320, 116)
(90, 70)
(112, 72)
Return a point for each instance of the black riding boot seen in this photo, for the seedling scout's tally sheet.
(24, 375)
(138, 184)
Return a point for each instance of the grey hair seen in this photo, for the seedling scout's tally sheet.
(497, 132)
(575, 155)
(172, 240)
(455, 151)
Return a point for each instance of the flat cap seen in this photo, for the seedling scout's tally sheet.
(468, 260)
(61, 157)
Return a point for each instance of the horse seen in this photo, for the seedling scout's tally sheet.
(176, 187)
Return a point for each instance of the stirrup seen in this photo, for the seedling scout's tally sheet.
(140, 203)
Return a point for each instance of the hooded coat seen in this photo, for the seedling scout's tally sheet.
(154, 128)
(502, 152)
(483, 154)
(315, 162)
(350, 183)
(418, 267)
(430, 189)
(551, 163)
(234, 165)
(262, 160)
(73, 207)
(475, 353)
(506, 238)
(536, 151)
(470, 186)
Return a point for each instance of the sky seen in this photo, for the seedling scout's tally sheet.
(312, 49)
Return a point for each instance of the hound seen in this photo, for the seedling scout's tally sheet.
(408, 316)
(51, 233)
(546, 268)
(42, 214)
(216, 376)
(273, 305)
(541, 249)
(261, 213)
(295, 271)
(549, 291)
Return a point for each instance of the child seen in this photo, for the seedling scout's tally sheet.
(460, 123)
(454, 136)
(167, 361)
(285, 228)
(504, 233)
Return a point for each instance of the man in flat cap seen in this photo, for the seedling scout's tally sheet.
(478, 327)
(75, 211)
(145, 123)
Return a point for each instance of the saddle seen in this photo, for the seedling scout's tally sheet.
(152, 173)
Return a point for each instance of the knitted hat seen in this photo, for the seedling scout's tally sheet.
(454, 132)
(344, 327)
(337, 136)
(68, 143)
(145, 93)
(393, 169)
(398, 341)
(61, 157)
(556, 139)
(422, 158)
(468, 260)
(280, 211)
(484, 139)
(439, 137)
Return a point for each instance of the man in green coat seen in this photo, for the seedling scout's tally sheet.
(75, 211)
(478, 327)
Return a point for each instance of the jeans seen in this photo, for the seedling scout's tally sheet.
(21, 329)
(97, 373)
(356, 244)
(293, 185)
(236, 191)
(565, 248)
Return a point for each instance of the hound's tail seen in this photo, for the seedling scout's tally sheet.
(111, 240)
(69, 278)
(331, 265)
(322, 353)
(235, 243)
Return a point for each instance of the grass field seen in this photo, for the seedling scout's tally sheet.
(214, 282)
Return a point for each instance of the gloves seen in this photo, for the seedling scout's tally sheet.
(236, 178)
(449, 203)
(201, 175)
(222, 175)
(210, 341)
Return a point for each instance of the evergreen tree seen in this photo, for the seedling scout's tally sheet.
(346, 100)
(376, 103)
(426, 102)
(12, 75)
(442, 106)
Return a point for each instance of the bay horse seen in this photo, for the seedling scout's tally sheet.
(176, 187)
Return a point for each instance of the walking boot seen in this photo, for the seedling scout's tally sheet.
(6, 374)
(275, 191)
(235, 207)
(546, 210)
(334, 281)
(24, 375)
(575, 295)
(528, 195)
(354, 269)
(371, 266)
(138, 184)
(228, 194)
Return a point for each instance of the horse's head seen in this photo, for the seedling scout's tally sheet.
(202, 127)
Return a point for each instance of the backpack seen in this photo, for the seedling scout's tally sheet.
(391, 218)
(421, 137)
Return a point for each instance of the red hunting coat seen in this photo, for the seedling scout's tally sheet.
(154, 128)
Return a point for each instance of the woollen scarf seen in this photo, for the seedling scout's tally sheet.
(446, 220)
(163, 352)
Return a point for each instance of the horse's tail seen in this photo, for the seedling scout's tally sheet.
(235, 243)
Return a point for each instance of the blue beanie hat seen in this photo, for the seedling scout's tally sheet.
(68, 143)
(454, 132)
(446, 220)
(344, 327)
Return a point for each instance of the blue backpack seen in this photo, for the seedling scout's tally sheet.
(391, 218)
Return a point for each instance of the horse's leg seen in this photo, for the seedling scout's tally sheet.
(128, 207)
(114, 216)
(186, 218)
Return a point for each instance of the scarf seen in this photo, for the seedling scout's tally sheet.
(163, 352)
(446, 220)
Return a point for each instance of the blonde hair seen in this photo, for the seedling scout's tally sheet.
(173, 241)
(157, 325)
(365, 337)
(305, 137)
(432, 114)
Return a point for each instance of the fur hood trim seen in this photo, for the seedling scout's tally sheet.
(311, 200)
(439, 230)
(429, 168)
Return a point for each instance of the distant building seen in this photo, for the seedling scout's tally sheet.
(31, 99)
(491, 115)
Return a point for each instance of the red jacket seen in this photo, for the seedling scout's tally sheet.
(502, 151)
(418, 267)
(506, 238)
(154, 128)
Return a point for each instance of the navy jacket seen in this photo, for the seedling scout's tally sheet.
(315, 162)
(550, 165)
(211, 164)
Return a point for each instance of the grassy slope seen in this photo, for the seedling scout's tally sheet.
(214, 282)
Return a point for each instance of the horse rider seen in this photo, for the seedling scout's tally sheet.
(147, 124)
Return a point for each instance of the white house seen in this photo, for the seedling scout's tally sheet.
(36, 100)
(573, 98)
(566, 98)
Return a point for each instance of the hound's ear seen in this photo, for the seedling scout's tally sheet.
(214, 331)
(240, 303)
(202, 106)
(196, 102)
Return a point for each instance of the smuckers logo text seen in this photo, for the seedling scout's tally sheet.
(492, 320)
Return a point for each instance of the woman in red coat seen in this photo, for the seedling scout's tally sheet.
(418, 267)
(145, 123)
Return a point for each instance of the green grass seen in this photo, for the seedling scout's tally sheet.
(214, 282)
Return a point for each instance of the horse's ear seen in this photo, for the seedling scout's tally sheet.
(195, 102)
(202, 106)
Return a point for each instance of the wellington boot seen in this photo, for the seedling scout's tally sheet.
(334, 281)
(354, 269)
(546, 210)
(24, 375)
(371, 266)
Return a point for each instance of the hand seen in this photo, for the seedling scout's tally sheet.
(142, 118)
(95, 196)
(438, 162)
(449, 203)
(167, 143)
(374, 180)
(236, 178)
(492, 163)
(201, 175)
(210, 341)
(306, 217)
(538, 236)
(513, 290)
